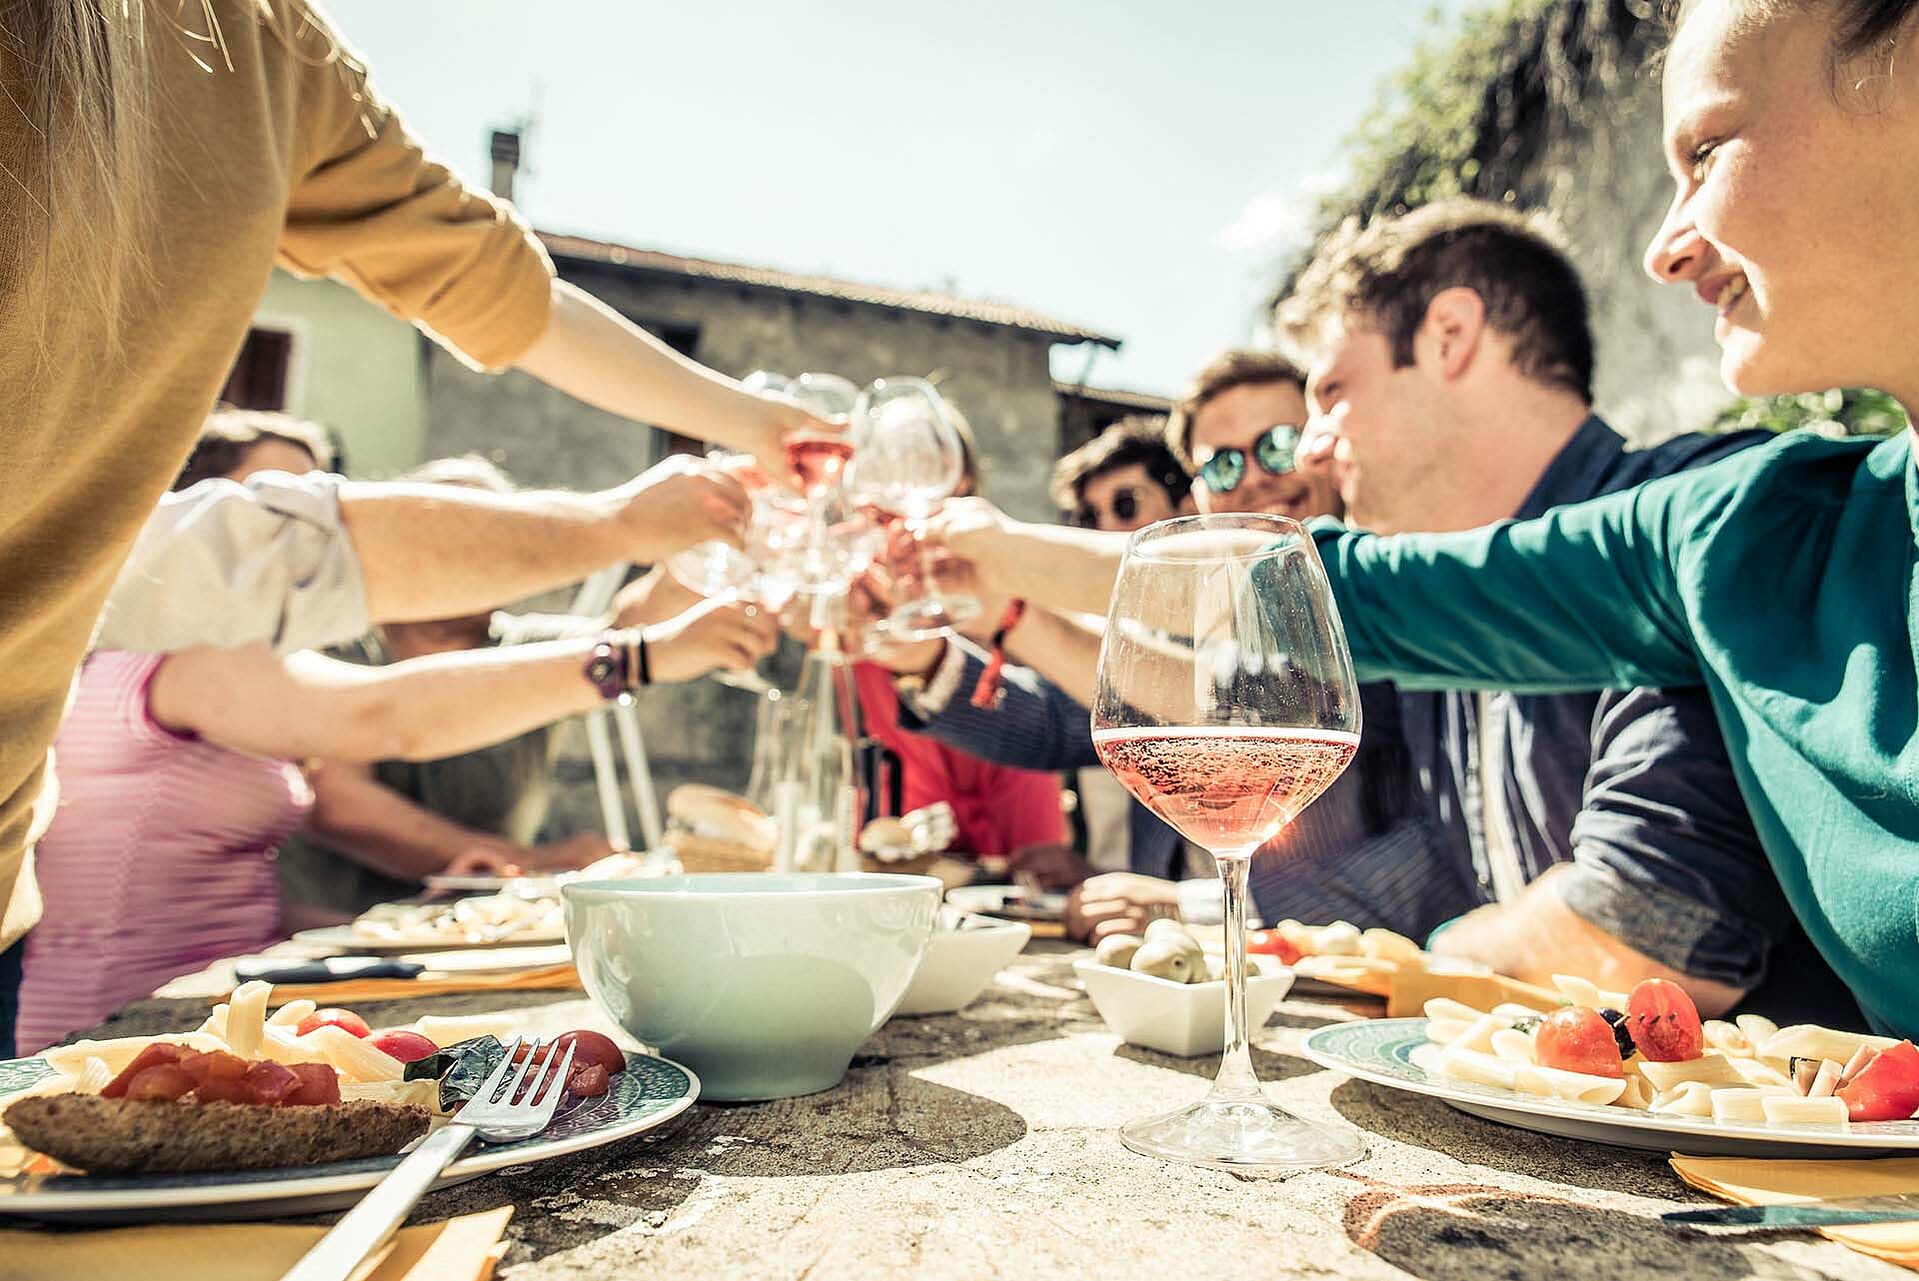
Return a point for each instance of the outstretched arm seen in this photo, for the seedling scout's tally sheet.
(592, 352)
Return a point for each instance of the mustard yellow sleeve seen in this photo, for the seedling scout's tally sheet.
(369, 208)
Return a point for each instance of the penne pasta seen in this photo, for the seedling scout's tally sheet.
(1758, 1029)
(1689, 1098)
(1386, 945)
(1578, 991)
(351, 1057)
(1341, 938)
(1513, 1045)
(1576, 1087)
(1726, 1037)
(290, 1014)
(1745, 1105)
(1810, 1041)
(71, 1060)
(1634, 1096)
(247, 1018)
(1479, 1037)
(1791, 1110)
(1444, 1007)
(1480, 1069)
(1711, 1068)
(1753, 1072)
(1446, 1031)
(216, 1022)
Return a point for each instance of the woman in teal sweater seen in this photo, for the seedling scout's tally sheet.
(1783, 579)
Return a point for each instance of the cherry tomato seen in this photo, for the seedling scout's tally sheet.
(152, 1056)
(1575, 1039)
(1664, 1022)
(162, 1081)
(319, 1086)
(345, 1020)
(403, 1045)
(1272, 943)
(589, 1082)
(1886, 1089)
(590, 1049)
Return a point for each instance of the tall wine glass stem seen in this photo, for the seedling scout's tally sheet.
(1236, 1078)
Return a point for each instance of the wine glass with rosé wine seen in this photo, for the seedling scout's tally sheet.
(1226, 704)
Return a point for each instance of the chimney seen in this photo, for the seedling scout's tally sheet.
(506, 161)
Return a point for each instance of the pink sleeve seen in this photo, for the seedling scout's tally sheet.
(130, 678)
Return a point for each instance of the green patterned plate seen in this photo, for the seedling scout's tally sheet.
(651, 1092)
(1380, 1050)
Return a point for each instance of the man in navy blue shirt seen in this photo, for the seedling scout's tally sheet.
(1450, 369)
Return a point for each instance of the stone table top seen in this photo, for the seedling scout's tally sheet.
(981, 1144)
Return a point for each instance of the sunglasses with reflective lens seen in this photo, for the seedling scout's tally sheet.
(1274, 448)
(1125, 507)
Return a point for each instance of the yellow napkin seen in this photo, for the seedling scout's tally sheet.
(1745, 1181)
(1411, 989)
(462, 1249)
(348, 991)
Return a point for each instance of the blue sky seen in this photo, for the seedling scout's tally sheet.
(1134, 166)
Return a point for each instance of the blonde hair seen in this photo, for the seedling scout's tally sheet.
(85, 185)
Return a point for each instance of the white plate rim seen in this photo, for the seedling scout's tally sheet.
(485, 1161)
(1507, 1102)
(990, 900)
(342, 938)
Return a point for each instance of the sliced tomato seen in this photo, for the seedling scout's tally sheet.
(224, 1089)
(319, 1086)
(590, 1049)
(1272, 943)
(1886, 1089)
(398, 1043)
(1575, 1039)
(345, 1020)
(214, 1063)
(152, 1056)
(270, 1083)
(162, 1081)
(1664, 1023)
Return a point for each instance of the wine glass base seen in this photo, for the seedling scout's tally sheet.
(923, 619)
(1243, 1135)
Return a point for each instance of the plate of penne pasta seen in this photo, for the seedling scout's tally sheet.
(1642, 1070)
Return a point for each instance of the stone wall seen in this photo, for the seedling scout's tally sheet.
(998, 377)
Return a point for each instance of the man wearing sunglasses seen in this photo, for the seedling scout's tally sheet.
(1123, 479)
(1241, 431)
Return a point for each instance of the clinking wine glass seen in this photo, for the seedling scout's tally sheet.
(908, 459)
(1226, 704)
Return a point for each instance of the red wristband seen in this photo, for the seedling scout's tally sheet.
(987, 692)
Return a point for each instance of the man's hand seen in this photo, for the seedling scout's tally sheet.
(709, 636)
(572, 852)
(654, 597)
(1118, 903)
(975, 531)
(1049, 869)
(867, 602)
(677, 503)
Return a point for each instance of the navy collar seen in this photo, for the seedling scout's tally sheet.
(1576, 472)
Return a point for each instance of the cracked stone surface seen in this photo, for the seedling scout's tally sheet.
(982, 1144)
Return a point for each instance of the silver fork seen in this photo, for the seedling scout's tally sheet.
(491, 1115)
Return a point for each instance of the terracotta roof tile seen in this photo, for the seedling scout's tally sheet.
(988, 312)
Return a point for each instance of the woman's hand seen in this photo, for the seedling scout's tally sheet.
(1118, 903)
(677, 503)
(709, 636)
(652, 598)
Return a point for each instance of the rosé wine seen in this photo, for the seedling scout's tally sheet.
(817, 459)
(1225, 788)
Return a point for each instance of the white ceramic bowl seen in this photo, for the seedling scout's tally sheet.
(967, 951)
(765, 985)
(1178, 1018)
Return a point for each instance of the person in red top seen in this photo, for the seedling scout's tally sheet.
(1000, 810)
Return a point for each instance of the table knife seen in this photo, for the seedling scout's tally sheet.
(331, 969)
(1900, 1207)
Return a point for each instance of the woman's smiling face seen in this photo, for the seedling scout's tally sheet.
(1796, 213)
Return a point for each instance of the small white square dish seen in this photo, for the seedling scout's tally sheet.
(1184, 1019)
(966, 952)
